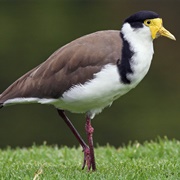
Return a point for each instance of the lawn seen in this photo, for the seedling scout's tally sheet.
(157, 160)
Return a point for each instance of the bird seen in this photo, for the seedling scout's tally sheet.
(89, 73)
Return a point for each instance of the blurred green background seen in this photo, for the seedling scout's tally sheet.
(30, 31)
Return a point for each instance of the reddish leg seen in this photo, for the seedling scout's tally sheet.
(89, 131)
(86, 149)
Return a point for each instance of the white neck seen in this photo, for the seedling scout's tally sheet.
(141, 44)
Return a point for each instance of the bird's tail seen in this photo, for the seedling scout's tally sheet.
(1, 104)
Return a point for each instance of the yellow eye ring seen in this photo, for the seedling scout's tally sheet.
(147, 22)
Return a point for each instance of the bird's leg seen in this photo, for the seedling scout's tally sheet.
(89, 131)
(86, 149)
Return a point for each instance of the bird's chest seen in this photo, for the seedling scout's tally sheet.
(140, 64)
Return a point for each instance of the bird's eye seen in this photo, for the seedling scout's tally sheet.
(147, 22)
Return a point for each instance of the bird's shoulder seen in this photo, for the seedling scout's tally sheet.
(96, 49)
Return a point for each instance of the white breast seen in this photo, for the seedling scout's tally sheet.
(141, 44)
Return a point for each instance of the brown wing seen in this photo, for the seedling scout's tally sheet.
(72, 64)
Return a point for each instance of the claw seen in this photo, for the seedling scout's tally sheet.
(87, 158)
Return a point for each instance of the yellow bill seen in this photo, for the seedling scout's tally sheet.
(157, 29)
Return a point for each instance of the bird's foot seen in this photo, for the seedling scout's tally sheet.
(87, 158)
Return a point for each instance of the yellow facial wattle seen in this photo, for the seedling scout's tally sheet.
(157, 29)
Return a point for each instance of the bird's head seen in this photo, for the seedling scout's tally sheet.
(151, 21)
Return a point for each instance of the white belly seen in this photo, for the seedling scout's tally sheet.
(96, 94)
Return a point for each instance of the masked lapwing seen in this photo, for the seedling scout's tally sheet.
(89, 73)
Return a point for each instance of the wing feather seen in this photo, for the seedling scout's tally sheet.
(74, 63)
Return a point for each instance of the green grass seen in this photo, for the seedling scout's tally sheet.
(152, 160)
